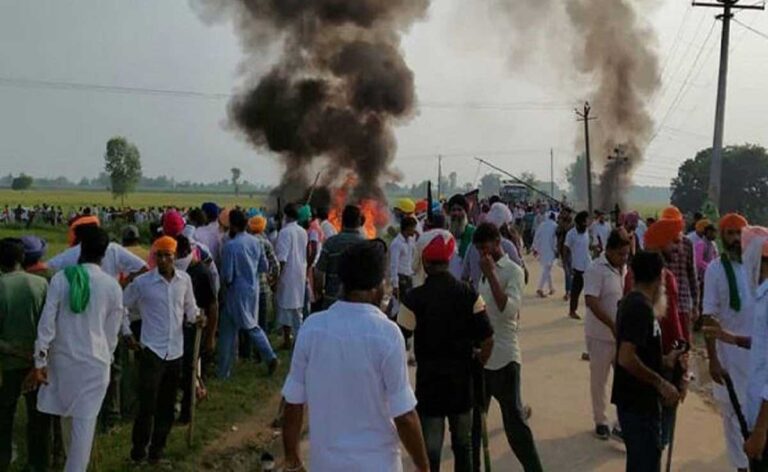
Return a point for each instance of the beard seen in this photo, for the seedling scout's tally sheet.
(660, 302)
(734, 247)
(458, 226)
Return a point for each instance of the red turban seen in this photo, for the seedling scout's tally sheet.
(732, 221)
(421, 206)
(440, 249)
(663, 233)
(173, 223)
(671, 213)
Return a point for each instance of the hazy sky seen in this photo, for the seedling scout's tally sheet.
(473, 102)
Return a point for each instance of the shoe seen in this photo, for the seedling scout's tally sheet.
(574, 316)
(551, 291)
(584, 356)
(272, 366)
(602, 432)
(567, 297)
(540, 294)
(138, 456)
(617, 434)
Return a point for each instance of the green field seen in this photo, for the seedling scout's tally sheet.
(78, 198)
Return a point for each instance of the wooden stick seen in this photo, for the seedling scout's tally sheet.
(193, 383)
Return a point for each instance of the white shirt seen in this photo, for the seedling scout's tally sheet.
(640, 232)
(328, 229)
(77, 348)
(545, 241)
(578, 243)
(162, 306)
(716, 302)
(506, 348)
(400, 258)
(349, 367)
(606, 283)
(210, 236)
(600, 232)
(117, 260)
(757, 388)
(291, 250)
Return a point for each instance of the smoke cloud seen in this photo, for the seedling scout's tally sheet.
(339, 87)
(615, 57)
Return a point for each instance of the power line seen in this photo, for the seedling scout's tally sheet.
(684, 85)
(757, 32)
(27, 83)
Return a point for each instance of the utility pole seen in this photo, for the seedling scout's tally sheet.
(716, 166)
(439, 177)
(583, 115)
(619, 158)
(552, 172)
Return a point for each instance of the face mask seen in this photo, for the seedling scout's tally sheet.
(183, 263)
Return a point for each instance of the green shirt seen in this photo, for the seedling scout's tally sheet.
(22, 297)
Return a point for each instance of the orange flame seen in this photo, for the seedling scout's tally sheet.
(375, 213)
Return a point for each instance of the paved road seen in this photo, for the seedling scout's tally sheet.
(556, 386)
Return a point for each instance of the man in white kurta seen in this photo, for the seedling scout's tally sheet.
(724, 358)
(291, 252)
(545, 245)
(73, 351)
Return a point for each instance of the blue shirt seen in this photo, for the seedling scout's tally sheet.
(242, 261)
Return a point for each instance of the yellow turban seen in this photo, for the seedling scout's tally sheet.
(406, 205)
(165, 244)
(257, 224)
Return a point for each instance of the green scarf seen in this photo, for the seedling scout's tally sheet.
(733, 288)
(79, 288)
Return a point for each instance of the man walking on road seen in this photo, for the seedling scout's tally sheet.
(349, 368)
(728, 300)
(448, 320)
(545, 245)
(576, 250)
(639, 386)
(401, 257)
(603, 289)
(502, 289)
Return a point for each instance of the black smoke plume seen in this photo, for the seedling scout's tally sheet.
(339, 87)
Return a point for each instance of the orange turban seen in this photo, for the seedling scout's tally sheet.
(257, 224)
(82, 221)
(732, 221)
(166, 244)
(663, 233)
(702, 225)
(671, 213)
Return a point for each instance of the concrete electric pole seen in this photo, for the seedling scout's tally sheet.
(716, 167)
(583, 115)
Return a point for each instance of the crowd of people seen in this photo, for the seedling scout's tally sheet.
(444, 295)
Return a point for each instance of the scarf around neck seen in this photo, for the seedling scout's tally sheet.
(733, 289)
(79, 288)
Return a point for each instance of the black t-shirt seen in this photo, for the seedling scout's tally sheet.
(202, 284)
(449, 323)
(636, 323)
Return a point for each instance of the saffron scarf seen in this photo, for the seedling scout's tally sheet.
(733, 288)
(79, 288)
